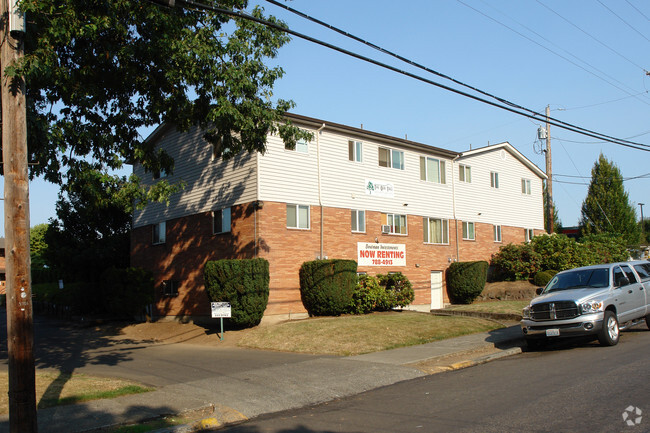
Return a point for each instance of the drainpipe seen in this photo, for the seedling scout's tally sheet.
(453, 200)
(320, 195)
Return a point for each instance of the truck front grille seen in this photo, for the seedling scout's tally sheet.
(554, 310)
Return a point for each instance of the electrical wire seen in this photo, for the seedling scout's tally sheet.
(526, 113)
(624, 22)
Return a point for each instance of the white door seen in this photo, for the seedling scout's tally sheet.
(436, 290)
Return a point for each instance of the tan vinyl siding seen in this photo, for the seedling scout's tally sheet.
(210, 184)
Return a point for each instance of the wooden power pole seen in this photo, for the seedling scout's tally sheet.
(549, 173)
(20, 323)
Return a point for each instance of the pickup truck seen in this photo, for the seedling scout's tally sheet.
(599, 300)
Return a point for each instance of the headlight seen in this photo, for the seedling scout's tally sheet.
(591, 307)
(526, 313)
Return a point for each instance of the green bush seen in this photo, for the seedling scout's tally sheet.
(367, 295)
(516, 262)
(605, 248)
(77, 298)
(466, 280)
(244, 283)
(399, 291)
(560, 252)
(126, 292)
(326, 286)
(542, 278)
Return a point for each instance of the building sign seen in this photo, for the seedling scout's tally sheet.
(373, 254)
(220, 309)
(381, 189)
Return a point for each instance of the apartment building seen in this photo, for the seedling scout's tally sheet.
(392, 204)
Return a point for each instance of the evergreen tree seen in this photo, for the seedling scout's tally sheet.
(607, 207)
(557, 223)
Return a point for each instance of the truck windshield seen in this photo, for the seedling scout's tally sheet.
(579, 279)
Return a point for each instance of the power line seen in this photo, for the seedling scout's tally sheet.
(624, 22)
(606, 102)
(527, 113)
(637, 9)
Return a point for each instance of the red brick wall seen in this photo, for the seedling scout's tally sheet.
(190, 244)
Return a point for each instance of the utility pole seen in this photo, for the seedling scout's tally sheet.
(20, 323)
(549, 174)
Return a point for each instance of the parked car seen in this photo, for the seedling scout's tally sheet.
(598, 300)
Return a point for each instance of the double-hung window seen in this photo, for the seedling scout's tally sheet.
(221, 220)
(302, 146)
(468, 231)
(391, 158)
(525, 186)
(465, 173)
(497, 233)
(432, 170)
(436, 230)
(159, 234)
(297, 216)
(358, 220)
(494, 179)
(355, 151)
(396, 222)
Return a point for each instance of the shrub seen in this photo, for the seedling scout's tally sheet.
(559, 252)
(516, 262)
(399, 291)
(542, 278)
(326, 286)
(367, 295)
(466, 280)
(242, 282)
(605, 248)
(126, 292)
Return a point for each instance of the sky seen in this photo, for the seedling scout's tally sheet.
(585, 59)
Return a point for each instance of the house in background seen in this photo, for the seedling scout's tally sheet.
(391, 204)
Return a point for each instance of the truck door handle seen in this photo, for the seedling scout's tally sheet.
(629, 291)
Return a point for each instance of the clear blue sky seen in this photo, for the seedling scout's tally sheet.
(583, 58)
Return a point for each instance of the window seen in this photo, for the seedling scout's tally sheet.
(301, 146)
(391, 158)
(468, 231)
(159, 174)
(494, 179)
(465, 173)
(159, 233)
(436, 231)
(297, 216)
(629, 273)
(525, 186)
(497, 233)
(397, 223)
(643, 270)
(170, 287)
(358, 221)
(355, 150)
(221, 220)
(432, 170)
(529, 234)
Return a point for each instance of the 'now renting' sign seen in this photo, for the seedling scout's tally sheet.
(373, 254)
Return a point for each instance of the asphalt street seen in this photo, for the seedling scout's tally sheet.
(568, 387)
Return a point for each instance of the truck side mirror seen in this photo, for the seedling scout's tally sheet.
(539, 290)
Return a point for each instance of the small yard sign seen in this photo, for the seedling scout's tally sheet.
(219, 311)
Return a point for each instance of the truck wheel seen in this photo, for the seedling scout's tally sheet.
(647, 320)
(608, 335)
(535, 343)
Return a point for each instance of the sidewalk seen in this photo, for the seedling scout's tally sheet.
(238, 396)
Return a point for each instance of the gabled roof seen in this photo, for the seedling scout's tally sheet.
(509, 148)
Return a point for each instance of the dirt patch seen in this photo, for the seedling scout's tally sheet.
(508, 290)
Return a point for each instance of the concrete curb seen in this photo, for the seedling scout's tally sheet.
(485, 359)
(494, 316)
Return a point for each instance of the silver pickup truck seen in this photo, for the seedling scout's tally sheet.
(596, 300)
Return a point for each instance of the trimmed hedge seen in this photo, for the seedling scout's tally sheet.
(542, 278)
(326, 286)
(242, 282)
(466, 281)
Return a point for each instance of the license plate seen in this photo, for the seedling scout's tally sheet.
(552, 332)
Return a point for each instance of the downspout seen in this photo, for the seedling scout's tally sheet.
(453, 201)
(320, 193)
(256, 205)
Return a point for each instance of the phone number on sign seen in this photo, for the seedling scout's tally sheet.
(382, 262)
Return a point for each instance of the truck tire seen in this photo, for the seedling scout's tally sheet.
(609, 334)
(647, 321)
(535, 343)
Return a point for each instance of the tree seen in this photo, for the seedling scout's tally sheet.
(98, 71)
(607, 208)
(557, 223)
(37, 245)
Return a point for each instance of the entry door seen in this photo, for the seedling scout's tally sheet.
(436, 290)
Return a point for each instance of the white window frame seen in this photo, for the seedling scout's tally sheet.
(159, 233)
(464, 173)
(466, 231)
(424, 169)
(529, 234)
(390, 221)
(292, 207)
(390, 153)
(302, 146)
(355, 150)
(224, 217)
(444, 234)
(358, 220)
(494, 179)
(497, 233)
(525, 186)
